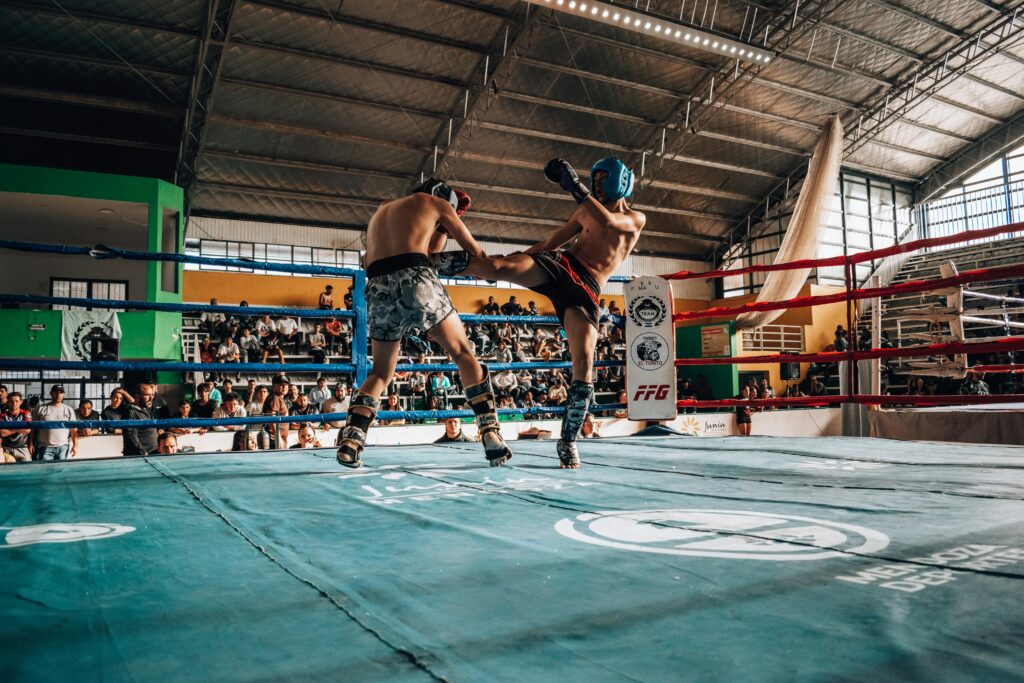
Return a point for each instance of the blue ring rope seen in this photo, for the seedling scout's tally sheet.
(178, 366)
(282, 419)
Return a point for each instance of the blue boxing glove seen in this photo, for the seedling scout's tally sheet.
(559, 171)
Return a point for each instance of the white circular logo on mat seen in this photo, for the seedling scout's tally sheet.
(735, 534)
(62, 533)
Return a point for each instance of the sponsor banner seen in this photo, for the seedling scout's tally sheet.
(706, 425)
(650, 349)
(82, 330)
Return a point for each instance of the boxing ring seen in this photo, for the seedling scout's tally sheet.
(662, 558)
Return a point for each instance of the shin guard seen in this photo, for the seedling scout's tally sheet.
(581, 394)
(481, 399)
(352, 437)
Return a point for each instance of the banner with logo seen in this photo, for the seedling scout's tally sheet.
(83, 333)
(650, 349)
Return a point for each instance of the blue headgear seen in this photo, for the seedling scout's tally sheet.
(439, 188)
(618, 183)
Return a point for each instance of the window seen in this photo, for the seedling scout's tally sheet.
(169, 244)
(88, 289)
(269, 253)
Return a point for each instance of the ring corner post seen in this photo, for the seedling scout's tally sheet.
(360, 341)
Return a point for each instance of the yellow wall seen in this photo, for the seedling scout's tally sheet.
(303, 292)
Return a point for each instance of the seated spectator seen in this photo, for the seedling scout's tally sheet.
(203, 406)
(231, 407)
(531, 309)
(264, 326)
(292, 395)
(318, 394)
(417, 386)
(244, 441)
(589, 429)
(512, 307)
(558, 395)
(916, 387)
(438, 386)
(841, 342)
(14, 442)
(393, 405)
(453, 432)
(333, 334)
(519, 354)
(85, 412)
(337, 404)
(184, 413)
(793, 391)
(602, 309)
(348, 299)
(307, 438)
(622, 398)
(143, 440)
(490, 308)
(317, 344)
(167, 443)
(502, 353)
(506, 332)
(207, 351)
(211, 320)
(326, 301)
(816, 388)
(301, 407)
(229, 351)
(288, 331)
(250, 348)
(272, 344)
(701, 388)
(504, 381)
(215, 393)
(974, 385)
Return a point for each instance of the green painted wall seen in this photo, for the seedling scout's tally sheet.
(158, 194)
(146, 335)
(724, 379)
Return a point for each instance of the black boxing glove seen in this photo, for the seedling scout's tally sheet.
(559, 171)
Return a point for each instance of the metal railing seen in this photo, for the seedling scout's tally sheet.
(781, 338)
(974, 210)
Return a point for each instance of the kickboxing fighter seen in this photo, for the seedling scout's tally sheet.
(404, 294)
(605, 230)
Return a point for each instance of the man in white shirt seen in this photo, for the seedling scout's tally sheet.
(505, 382)
(228, 351)
(265, 326)
(319, 394)
(337, 404)
(53, 444)
(231, 407)
(288, 328)
(212, 322)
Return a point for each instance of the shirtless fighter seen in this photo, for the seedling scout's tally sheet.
(606, 230)
(404, 294)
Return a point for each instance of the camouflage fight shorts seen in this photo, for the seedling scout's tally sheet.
(403, 295)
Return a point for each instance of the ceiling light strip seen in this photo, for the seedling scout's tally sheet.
(645, 24)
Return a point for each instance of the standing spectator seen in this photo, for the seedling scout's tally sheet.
(249, 346)
(231, 407)
(204, 406)
(85, 412)
(228, 351)
(288, 329)
(337, 404)
(319, 394)
(452, 432)
(317, 344)
(348, 299)
(842, 342)
(116, 408)
(701, 389)
(326, 302)
(141, 440)
(55, 444)
(743, 412)
(15, 441)
(167, 443)
(974, 385)
(276, 405)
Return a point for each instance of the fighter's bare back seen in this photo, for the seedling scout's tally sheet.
(409, 225)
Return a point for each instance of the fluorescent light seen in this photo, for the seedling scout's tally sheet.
(664, 28)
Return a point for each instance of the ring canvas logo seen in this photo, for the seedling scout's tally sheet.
(732, 534)
(649, 351)
(647, 311)
(61, 533)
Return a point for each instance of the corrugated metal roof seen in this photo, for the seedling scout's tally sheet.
(298, 110)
